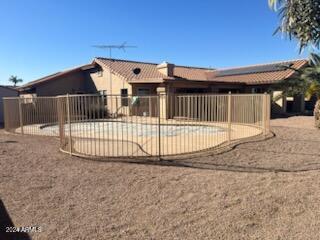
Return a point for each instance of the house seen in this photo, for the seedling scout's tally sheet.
(123, 77)
(6, 91)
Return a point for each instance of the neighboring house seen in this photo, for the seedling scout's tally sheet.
(141, 78)
(69, 81)
(6, 91)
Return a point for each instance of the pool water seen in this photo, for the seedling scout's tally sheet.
(134, 129)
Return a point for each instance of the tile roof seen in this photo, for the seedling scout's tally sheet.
(256, 74)
(149, 71)
(124, 68)
(198, 74)
(251, 75)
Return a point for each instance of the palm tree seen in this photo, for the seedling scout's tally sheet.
(300, 19)
(306, 81)
(15, 80)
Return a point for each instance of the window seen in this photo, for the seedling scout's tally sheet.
(100, 73)
(124, 97)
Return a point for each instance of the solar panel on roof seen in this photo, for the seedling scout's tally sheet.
(253, 69)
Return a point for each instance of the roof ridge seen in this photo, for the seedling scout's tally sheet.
(204, 68)
(124, 60)
(134, 61)
(260, 64)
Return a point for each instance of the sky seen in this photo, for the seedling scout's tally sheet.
(38, 38)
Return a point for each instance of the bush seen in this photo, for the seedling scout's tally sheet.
(316, 114)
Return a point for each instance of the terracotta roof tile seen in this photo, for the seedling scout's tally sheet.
(253, 74)
(125, 68)
(191, 73)
(259, 77)
(149, 70)
(150, 74)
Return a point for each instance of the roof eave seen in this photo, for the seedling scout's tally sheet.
(147, 80)
(54, 76)
(10, 88)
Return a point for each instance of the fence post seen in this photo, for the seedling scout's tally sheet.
(229, 117)
(264, 113)
(268, 113)
(159, 126)
(5, 114)
(69, 123)
(20, 116)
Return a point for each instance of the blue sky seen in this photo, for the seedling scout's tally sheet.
(42, 37)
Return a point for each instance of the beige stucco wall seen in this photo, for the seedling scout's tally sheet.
(5, 92)
(99, 80)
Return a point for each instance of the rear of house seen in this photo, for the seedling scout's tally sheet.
(123, 77)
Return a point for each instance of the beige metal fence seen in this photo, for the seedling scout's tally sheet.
(30, 115)
(140, 126)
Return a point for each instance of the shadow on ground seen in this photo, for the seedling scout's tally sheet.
(7, 228)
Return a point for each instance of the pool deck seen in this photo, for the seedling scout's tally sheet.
(130, 144)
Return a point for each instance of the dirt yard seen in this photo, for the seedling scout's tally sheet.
(258, 190)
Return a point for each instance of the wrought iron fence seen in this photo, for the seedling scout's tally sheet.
(30, 115)
(140, 126)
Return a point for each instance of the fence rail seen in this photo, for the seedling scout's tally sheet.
(140, 126)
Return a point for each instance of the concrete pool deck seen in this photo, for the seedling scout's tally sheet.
(98, 143)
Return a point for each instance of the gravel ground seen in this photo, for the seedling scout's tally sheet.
(258, 190)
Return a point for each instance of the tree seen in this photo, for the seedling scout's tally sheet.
(15, 80)
(306, 81)
(300, 19)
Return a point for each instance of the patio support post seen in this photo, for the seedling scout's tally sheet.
(229, 117)
(163, 99)
(20, 116)
(69, 123)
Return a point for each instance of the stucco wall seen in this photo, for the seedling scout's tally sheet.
(99, 79)
(5, 92)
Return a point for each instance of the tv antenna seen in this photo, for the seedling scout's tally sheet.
(122, 46)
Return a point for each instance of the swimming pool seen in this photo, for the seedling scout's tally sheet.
(114, 128)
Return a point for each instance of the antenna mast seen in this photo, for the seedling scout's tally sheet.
(122, 46)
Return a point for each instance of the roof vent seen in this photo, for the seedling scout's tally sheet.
(136, 71)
